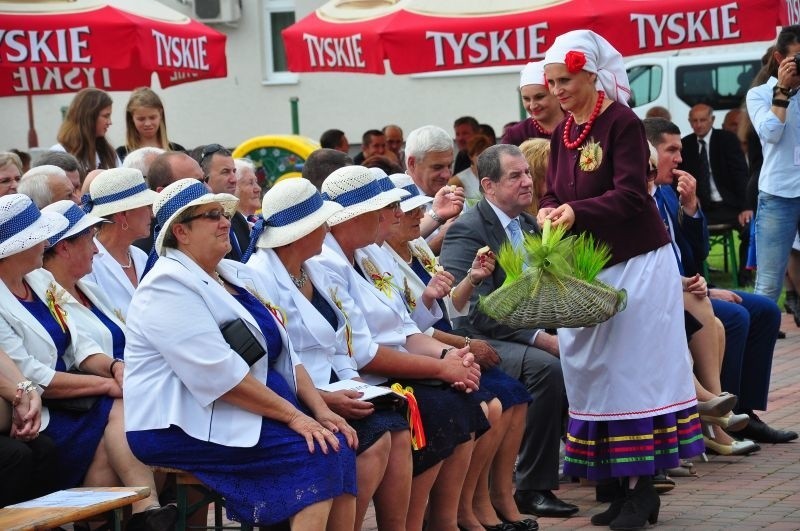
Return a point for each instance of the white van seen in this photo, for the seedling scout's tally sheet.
(719, 76)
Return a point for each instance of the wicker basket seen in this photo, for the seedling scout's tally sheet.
(541, 300)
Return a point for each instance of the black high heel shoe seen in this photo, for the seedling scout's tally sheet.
(614, 492)
(526, 524)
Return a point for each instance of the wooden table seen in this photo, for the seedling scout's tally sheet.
(39, 518)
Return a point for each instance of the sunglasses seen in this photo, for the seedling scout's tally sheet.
(213, 215)
(210, 150)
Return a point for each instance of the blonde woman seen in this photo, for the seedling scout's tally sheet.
(145, 123)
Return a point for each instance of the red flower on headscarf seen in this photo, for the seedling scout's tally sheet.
(575, 61)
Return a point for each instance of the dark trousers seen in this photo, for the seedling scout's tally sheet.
(541, 374)
(27, 469)
(751, 329)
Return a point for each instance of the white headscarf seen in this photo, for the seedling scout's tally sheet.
(601, 59)
(532, 74)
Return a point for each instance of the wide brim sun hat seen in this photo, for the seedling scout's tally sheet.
(177, 197)
(22, 225)
(386, 183)
(117, 190)
(77, 218)
(291, 209)
(415, 199)
(355, 189)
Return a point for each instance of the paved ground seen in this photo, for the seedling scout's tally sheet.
(760, 491)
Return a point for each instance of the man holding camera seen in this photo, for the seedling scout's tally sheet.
(775, 112)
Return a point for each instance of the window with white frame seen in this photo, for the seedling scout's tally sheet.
(277, 15)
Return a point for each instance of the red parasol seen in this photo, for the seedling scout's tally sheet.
(112, 45)
(52, 47)
(434, 35)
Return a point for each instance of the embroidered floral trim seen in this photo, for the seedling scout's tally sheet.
(427, 260)
(591, 156)
(56, 298)
(381, 281)
(348, 330)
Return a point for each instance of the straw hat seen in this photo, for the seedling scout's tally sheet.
(386, 184)
(77, 218)
(22, 225)
(355, 188)
(117, 190)
(414, 199)
(290, 210)
(179, 196)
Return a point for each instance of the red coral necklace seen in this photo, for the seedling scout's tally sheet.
(541, 129)
(587, 128)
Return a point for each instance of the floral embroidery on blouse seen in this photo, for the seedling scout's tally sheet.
(427, 260)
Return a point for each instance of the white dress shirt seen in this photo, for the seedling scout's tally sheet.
(110, 277)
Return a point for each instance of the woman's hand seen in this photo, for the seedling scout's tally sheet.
(459, 369)
(542, 215)
(563, 215)
(347, 404)
(695, 285)
(337, 424)
(113, 389)
(26, 417)
(438, 288)
(118, 371)
(485, 354)
(482, 267)
(312, 431)
(448, 201)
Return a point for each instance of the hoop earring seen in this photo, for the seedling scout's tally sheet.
(125, 225)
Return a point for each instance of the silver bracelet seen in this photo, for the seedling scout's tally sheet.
(436, 217)
(26, 386)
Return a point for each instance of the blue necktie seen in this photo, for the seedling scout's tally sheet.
(515, 231)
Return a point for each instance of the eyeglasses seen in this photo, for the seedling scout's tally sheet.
(213, 215)
(393, 206)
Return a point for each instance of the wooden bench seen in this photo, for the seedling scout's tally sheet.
(185, 481)
(50, 516)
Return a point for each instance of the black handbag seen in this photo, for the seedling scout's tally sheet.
(77, 404)
(238, 335)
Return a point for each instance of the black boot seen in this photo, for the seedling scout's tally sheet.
(612, 491)
(641, 506)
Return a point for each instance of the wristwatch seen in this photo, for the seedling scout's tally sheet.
(435, 217)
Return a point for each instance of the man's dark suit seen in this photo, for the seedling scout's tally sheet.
(240, 230)
(691, 233)
(730, 174)
(539, 371)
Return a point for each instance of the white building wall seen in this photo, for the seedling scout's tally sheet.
(231, 110)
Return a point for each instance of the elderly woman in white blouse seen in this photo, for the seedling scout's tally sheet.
(46, 343)
(244, 418)
(121, 196)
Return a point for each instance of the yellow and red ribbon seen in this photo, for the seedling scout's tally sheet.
(56, 310)
(418, 441)
(348, 330)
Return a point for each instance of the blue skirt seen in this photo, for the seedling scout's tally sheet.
(77, 436)
(600, 450)
(508, 390)
(371, 428)
(263, 484)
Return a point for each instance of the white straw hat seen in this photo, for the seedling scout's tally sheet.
(414, 199)
(386, 184)
(117, 190)
(77, 218)
(291, 209)
(179, 196)
(22, 225)
(355, 188)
